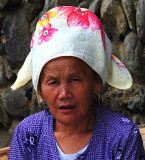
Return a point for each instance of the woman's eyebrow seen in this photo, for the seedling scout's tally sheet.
(78, 73)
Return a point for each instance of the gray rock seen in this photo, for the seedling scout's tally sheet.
(117, 104)
(52, 3)
(140, 20)
(114, 20)
(15, 103)
(118, 49)
(28, 92)
(36, 107)
(67, 3)
(17, 36)
(136, 119)
(3, 3)
(2, 75)
(5, 138)
(116, 94)
(84, 4)
(137, 104)
(133, 56)
(4, 117)
(14, 2)
(141, 91)
(128, 6)
(129, 92)
(95, 7)
(47, 6)
(133, 104)
(135, 3)
(1, 48)
(9, 73)
(32, 8)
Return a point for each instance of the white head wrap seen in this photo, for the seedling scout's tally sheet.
(77, 32)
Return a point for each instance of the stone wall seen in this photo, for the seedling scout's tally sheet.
(123, 21)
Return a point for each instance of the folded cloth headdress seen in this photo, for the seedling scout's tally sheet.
(77, 32)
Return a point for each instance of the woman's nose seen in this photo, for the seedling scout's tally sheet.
(65, 92)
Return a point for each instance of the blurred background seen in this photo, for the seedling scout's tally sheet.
(124, 23)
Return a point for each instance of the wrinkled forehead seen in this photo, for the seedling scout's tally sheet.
(66, 64)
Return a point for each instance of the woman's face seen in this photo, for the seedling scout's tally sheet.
(68, 86)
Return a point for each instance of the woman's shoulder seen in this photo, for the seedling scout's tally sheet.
(35, 121)
(37, 117)
(114, 121)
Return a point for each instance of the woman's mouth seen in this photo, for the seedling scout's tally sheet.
(66, 108)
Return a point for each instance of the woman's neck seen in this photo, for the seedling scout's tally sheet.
(85, 125)
(77, 134)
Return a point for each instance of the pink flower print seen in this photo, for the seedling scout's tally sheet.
(32, 41)
(84, 18)
(46, 18)
(46, 33)
(120, 64)
(64, 10)
(78, 17)
(112, 56)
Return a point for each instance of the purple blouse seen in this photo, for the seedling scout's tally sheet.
(114, 138)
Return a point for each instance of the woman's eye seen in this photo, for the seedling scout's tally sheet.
(52, 82)
(76, 79)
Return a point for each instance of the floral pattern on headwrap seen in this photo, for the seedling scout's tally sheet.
(75, 17)
(46, 18)
(43, 29)
(120, 64)
(84, 18)
(32, 41)
(46, 33)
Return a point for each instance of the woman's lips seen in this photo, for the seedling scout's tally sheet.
(66, 108)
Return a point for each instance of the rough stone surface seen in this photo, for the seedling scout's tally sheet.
(3, 3)
(137, 104)
(16, 31)
(140, 20)
(2, 75)
(4, 138)
(133, 56)
(129, 10)
(1, 48)
(135, 3)
(9, 73)
(113, 18)
(95, 7)
(15, 103)
(118, 49)
(36, 107)
(14, 2)
(32, 8)
(68, 3)
(4, 117)
(130, 103)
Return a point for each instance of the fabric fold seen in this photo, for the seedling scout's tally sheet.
(24, 74)
(119, 77)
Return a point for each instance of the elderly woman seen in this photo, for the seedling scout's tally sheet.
(69, 62)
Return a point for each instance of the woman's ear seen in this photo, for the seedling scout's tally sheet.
(39, 95)
(97, 84)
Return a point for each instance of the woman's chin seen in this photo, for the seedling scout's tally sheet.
(67, 120)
